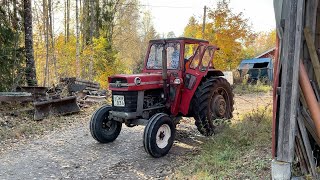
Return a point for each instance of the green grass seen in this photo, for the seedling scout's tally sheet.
(245, 88)
(241, 151)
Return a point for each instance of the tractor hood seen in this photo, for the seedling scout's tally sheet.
(135, 82)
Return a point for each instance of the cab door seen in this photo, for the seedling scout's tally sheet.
(175, 76)
(196, 70)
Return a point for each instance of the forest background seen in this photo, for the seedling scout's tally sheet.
(98, 38)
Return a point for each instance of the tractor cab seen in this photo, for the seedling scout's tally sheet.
(178, 79)
(183, 62)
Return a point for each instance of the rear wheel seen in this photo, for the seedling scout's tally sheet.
(212, 102)
(159, 135)
(102, 128)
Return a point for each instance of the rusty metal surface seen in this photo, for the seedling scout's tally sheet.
(78, 85)
(32, 89)
(16, 96)
(275, 96)
(38, 93)
(61, 106)
(310, 97)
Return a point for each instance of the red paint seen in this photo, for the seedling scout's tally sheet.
(183, 97)
(154, 78)
(275, 96)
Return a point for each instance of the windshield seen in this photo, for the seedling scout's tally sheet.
(155, 56)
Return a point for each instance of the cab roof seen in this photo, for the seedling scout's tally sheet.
(184, 39)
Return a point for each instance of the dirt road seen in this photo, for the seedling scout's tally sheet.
(73, 154)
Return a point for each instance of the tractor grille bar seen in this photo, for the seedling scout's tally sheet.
(130, 100)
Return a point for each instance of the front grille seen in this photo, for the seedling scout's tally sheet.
(120, 80)
(130, 100)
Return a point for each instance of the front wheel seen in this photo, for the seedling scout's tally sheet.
(159, 135)
(102, 128)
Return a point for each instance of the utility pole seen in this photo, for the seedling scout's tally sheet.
(204, 20)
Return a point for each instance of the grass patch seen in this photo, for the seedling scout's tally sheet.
(240, 151)
(251, 88)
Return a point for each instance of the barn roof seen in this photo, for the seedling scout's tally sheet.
(256, 60)
(266, 52)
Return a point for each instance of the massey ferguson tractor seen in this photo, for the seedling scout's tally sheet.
(178, 79)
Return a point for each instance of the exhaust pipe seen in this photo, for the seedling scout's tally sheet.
(164, 71)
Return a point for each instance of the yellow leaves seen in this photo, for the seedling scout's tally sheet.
(99, 56)
(229, 31)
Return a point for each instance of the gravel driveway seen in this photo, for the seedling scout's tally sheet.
(73, 154)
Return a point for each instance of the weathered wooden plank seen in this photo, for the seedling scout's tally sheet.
(315, 89)
(303, 151)
(15, 96)
(310, 125)
(306, 145)
(299, 154)
(310, 21)
(311, 15)
(302, 98)
(313, 54)
(289, 82)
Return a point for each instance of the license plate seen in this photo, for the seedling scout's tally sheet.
(118, 100)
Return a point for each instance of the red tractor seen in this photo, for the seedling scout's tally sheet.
(178, 79)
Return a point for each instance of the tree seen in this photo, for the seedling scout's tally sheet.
(78, 43)
(263, 42)
(46, 35)
(229, 31)
(11, 51)
(171, 34)
(30, 65)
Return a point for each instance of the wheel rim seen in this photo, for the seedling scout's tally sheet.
(108, 126)
(163, 136)
(218, 103)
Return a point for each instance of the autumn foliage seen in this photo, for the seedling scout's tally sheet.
(230, 31)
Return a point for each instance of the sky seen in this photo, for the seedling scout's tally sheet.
(173, 15)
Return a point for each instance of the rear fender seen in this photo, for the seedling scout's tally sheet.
(189, 90)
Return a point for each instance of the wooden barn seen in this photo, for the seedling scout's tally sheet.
(296, 110)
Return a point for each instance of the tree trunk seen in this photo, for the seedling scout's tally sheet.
(65, 21)
(52, 39)
(68, 19)
(78, 44)
(46, 35)
(92, 28)
(30, 64)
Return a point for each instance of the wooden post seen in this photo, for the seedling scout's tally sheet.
(289, 83)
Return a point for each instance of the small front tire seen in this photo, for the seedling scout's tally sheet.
(102, 128)
(159, 135)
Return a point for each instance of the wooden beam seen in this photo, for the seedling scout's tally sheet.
(306, 145)
(292, 46)
(310, 125)
(313, 54)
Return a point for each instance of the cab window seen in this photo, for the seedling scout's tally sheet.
(196, 58)
(207, 57)
(155, 56)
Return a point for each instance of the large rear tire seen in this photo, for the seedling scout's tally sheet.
(102, 128)
(159, 135)
(212, 100)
